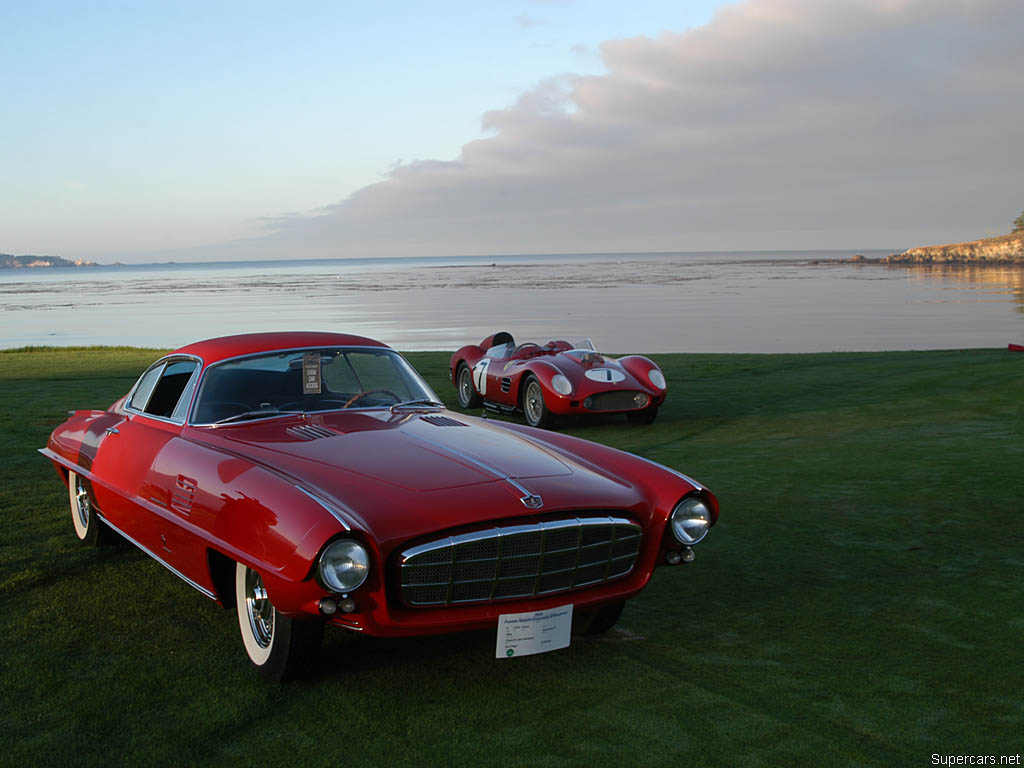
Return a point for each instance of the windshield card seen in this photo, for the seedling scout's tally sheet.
(522, 634)
(311, 373)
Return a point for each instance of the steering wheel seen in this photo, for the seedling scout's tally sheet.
(378, 391)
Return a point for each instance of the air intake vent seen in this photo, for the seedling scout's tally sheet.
(310, 432)
(443, 421)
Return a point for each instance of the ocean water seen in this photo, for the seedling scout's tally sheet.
(673, 302)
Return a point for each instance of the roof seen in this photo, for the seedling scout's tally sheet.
(224, 347)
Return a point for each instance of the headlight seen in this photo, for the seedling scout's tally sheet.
(344, 565)
(561, 384)
(690, 521)
(657, 378)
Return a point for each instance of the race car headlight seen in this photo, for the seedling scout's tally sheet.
(561, 384)
(690, 521)
(657, 378)
(344, 565)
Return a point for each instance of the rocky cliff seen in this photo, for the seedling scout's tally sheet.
(1002, 249)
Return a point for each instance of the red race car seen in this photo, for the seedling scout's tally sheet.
(306, 479)
(555, 379)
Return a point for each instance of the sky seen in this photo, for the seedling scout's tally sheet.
(195, 131)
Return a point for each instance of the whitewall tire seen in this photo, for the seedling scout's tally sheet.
(84, 517)
(279, 647)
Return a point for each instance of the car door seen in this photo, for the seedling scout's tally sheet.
(138, 502)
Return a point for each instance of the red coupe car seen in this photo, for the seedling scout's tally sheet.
(312, 478)
(555, 379)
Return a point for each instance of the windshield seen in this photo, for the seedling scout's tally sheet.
(307, 380)
(564, 343)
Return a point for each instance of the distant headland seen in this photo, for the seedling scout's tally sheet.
(1004, 249)
(10, 261)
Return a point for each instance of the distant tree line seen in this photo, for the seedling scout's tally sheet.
(1018, 223)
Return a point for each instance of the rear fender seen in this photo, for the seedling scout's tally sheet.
(468, 355)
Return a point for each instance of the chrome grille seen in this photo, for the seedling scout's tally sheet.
(512, 561)
(616, 401)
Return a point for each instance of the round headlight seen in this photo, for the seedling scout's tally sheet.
(690, 521)
(344, 565)
(561, 384)
(657, 378)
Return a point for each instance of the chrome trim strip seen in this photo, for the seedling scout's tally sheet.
(696, 486)
(511, 530)
(325, 505)
(162, 562)
(66, 463)
(529, 498)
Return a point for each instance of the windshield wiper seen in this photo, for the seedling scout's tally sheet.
(253, 415)
(419, 402)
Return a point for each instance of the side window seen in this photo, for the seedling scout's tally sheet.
(169, 389)
(145, 388)
(181, 409)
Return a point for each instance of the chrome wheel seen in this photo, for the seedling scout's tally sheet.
(81, 507)
(534, 405)
(279, 647)
(85, 517)
(468, 397)
(259, 609)
(537, 414)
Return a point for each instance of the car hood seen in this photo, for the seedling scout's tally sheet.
(406, 474)
(596, 365)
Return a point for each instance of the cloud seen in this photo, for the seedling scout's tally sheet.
(529, 22)
(779, 124)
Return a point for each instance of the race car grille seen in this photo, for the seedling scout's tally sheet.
(616, 401)
(516, 561)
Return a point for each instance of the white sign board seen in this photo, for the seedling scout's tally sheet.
(521, 634)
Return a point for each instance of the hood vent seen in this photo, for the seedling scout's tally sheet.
(310, 432)
(442, 421)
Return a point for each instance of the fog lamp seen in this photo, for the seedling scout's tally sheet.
(328, 606)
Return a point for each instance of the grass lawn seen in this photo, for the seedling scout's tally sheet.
(861, 601)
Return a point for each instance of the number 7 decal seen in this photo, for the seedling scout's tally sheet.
(480, 375)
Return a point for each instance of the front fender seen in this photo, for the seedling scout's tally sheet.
(545, 371)
(640, 367)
